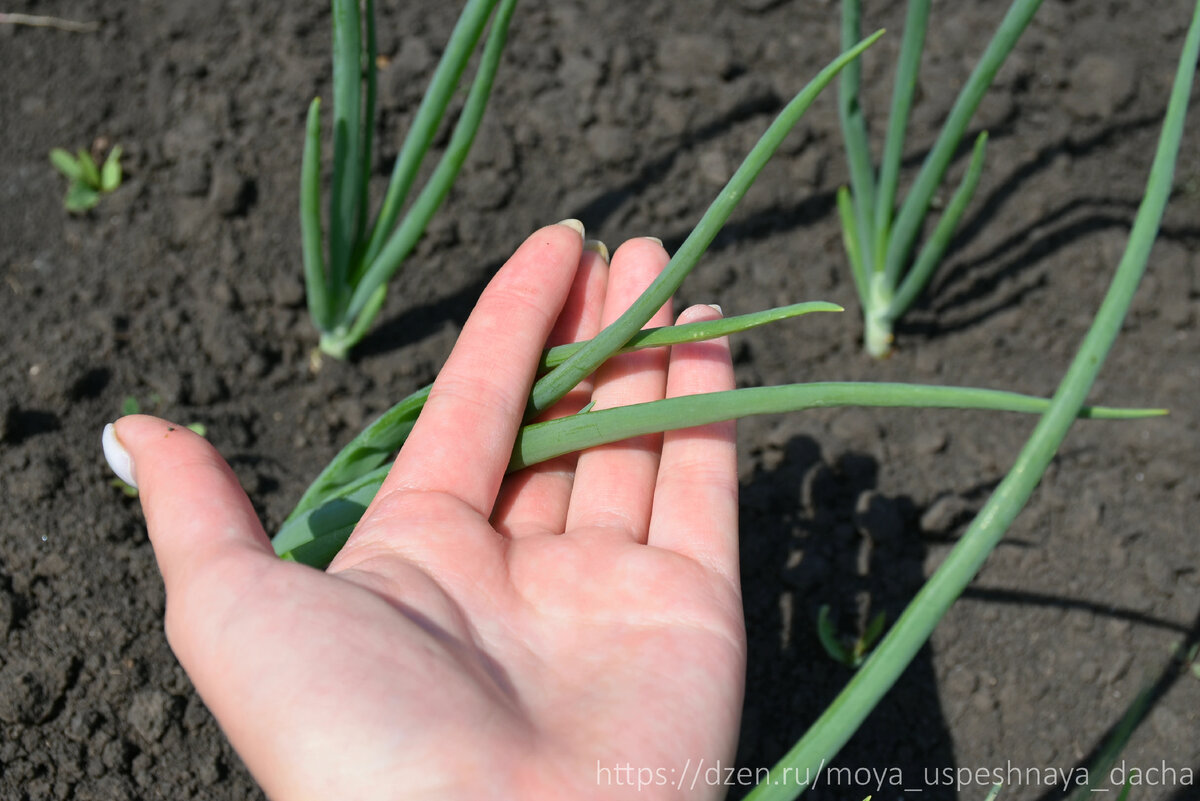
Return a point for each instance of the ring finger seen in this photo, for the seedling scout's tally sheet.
(614, 484)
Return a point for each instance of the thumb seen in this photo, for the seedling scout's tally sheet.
(196, 512)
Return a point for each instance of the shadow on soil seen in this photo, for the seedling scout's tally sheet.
(815, 532)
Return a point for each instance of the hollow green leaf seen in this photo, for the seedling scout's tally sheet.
(695, 332)
(335, 517)
(907, 67)
(370, 71)
(319, 552)
(851, 240)
(383, 437)
(315, 280)
(363, 463)
(847, 712)
(429, 115)
(346, 190)
(584, 362)
(1103, 759)
(541, 441)
(406, 236)
(337, 343)
(372, 447)
(935, 247)
(854, 135)
(916, 204)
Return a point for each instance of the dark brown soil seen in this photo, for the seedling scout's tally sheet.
(183, 290)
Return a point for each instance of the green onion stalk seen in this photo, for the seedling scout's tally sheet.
(898, 648)
(331, 507)
(878, 237)
(346, 288)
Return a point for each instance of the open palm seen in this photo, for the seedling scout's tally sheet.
(570, 631)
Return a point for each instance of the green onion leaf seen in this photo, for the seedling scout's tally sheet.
(315, 281)
(909, 64)
(437, 97)
(893, 655)
(550, 388)
(695, 332)
(916, 204)
(852, 242)
(933, 250)
(405, 238)
(362, 465)
(347, 143)
(382, 438)
(541, 441)
(854, 133)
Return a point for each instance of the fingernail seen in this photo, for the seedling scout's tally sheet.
(574, 225)
(655, 240)
(596, 246)
(117, 457)
(720, 311)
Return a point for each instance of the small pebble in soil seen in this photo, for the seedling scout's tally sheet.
(695, 54)
(1099, 86)
(192, 176)
(930, 441)
(29, 691)
(149, 714)
(1159, 574)
(231, 192)
(944, 514)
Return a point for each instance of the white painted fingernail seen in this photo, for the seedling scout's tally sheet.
(117, 457)
(720, 311)
(574, 225)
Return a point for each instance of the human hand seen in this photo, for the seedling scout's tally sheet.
(542, 635)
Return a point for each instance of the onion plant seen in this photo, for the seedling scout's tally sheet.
(346, 287)
(327, 513)
(879, 238)
(901, 644)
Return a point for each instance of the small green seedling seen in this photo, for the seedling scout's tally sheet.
(88, 181)
(857, 652)
(878, 237)
(131, 405)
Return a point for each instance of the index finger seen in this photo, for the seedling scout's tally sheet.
(462, 442)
